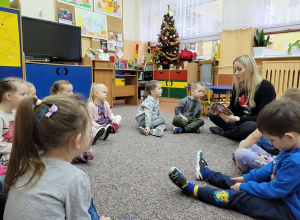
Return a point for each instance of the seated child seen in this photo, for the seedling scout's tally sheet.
(64, 87)
(99, 109)
(61, 87)
(148, 117)
(187, 112)
(256, 151)
(12, 91)
(60, 127)
(271, 192)
(32, 92)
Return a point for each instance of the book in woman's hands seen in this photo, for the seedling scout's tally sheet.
(220, 108)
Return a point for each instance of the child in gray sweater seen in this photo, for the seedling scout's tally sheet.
(148, 117)
(187, 112)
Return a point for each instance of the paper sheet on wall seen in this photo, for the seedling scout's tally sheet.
(120, 44)
(120, 37)
(119, 53)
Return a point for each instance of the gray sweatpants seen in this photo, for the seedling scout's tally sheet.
(157, 122)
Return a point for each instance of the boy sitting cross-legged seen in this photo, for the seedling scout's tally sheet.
(271, 192)
(187, 112)
(148, 116)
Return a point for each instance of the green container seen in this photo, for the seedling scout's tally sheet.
(4, 3)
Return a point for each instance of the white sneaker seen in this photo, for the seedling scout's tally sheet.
(99, 134)
(142, 130)
(107, 132)
(157, 132)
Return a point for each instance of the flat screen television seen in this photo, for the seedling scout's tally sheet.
(51, 41)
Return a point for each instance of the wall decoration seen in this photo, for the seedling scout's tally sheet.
(109, 7)
(64, 16)
(9, 39)
(92, 24)
(86, 4)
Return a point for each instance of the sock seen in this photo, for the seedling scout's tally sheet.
(206, 172)
(191, 188)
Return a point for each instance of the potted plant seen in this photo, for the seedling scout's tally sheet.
(260, 43)
(294, 48)
(186, 56)
(92, 53)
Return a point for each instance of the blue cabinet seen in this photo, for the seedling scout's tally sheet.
(42, 76)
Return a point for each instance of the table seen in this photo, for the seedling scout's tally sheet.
(217, 89)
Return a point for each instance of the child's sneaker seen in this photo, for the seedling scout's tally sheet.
(99, 133)
(177, 178)
(142, 130)
(201, 164)
(114, 128)
(107, 132)
(157, 132)
(177, 130)
(198, 130)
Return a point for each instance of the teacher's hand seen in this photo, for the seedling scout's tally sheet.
(228, 118)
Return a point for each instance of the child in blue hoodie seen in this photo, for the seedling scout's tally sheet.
(271, 192)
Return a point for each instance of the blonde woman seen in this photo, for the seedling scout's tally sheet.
(250, 94)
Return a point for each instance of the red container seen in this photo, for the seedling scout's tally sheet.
(112, 59)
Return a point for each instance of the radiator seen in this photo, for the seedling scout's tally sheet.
(282, 74)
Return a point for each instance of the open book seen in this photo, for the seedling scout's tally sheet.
(220, 108)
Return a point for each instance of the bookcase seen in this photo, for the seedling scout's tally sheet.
(173, 82)
(104, 72)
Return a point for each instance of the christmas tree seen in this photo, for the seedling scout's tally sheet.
(167, 50)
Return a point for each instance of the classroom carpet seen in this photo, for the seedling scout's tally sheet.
(129, 174)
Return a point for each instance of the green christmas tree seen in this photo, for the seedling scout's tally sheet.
(167, 50)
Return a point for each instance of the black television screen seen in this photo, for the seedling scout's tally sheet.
(51, 41)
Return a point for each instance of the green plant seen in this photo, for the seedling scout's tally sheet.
(297, 44)
(259, 39)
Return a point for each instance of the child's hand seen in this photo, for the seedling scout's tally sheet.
(236, 186)
(113, 121)
(147, 130)
(184, 118)
(104, 125)
(239, 179)
(228, 118)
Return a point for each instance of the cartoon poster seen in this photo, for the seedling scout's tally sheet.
(86, 4)
(9, 40)
(92, 24)
(109, 7)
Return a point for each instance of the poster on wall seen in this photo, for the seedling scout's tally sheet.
(92, 24)
(64, 16)
(9, 40)
(86, 4)
(109, 7)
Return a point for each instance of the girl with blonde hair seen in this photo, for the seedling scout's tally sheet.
(250, 94)
(100, 112)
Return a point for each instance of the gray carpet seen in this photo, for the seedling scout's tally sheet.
(129, 173)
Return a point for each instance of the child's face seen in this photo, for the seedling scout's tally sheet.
(239, 71)
(21, 93)
(67, 89)
(157, 91)
(31, 92)
(198, 93)
(285, 143)
(101, 94)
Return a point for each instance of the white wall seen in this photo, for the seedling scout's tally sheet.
(45, 9)
(131, 19)
(42, 9)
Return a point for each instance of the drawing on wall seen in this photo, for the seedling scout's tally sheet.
(9, 40)
(64, 16)
(86, 4)
(92, 24)
(109, 7)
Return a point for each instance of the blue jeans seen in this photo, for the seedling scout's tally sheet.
(93, 212)
(241, 201)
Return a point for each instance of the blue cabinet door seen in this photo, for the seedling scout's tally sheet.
(80, 77)
(43, 76)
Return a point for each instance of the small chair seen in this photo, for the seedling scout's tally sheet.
(208, 93)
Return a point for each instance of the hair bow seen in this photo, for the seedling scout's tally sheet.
(52, 110)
